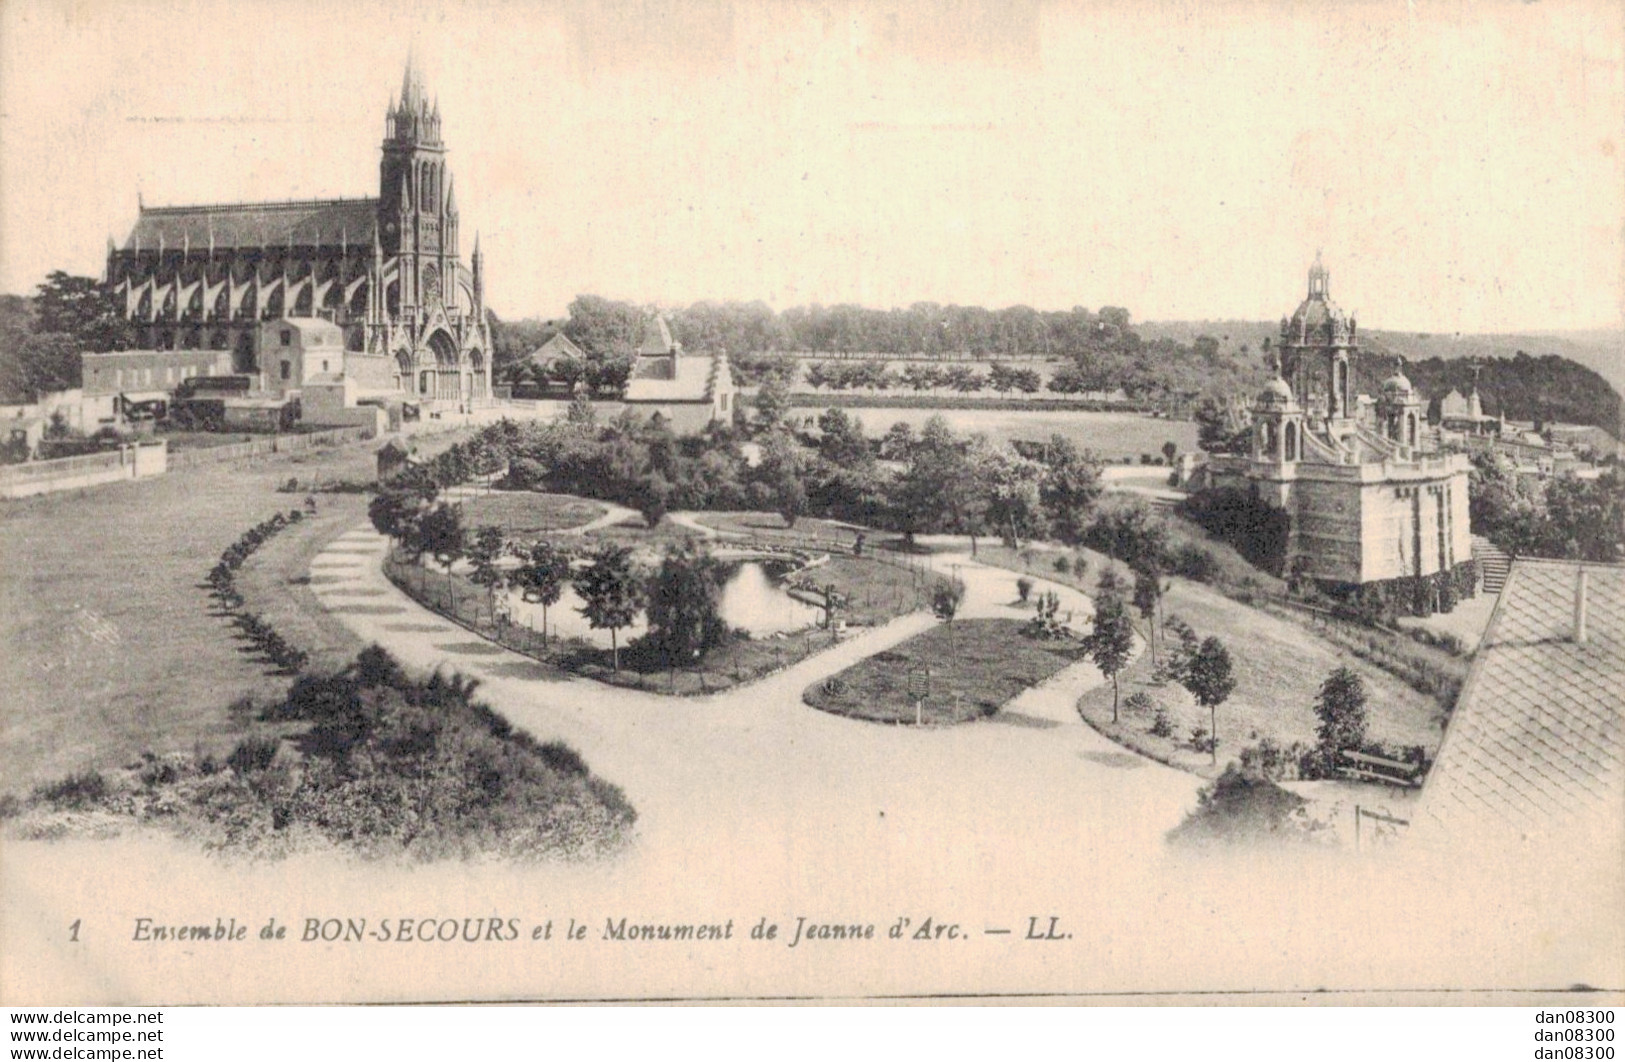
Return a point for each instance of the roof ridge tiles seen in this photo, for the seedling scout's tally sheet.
(264, 204)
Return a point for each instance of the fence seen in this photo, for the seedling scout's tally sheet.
(136, 461)
(269, 444)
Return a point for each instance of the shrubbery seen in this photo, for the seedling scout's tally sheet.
(389, 766)
(1256, 529)
(1243, 805)
(222, 582)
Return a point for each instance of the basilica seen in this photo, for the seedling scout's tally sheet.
(386, 271)
(1368, 497)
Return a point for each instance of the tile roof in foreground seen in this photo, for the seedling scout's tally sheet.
(1536, 743)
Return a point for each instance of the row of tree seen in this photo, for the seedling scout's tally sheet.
(1096, 351)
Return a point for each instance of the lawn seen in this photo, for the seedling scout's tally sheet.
(111, 644)
(975, 666)
(770, 527)
(1279, 666)
(522, 514)
(1280, 662)
(275, 582)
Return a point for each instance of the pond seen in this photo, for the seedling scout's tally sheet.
(753, 598)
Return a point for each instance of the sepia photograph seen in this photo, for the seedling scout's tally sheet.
(838, 502)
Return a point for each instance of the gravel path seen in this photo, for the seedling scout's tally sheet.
(760, 752)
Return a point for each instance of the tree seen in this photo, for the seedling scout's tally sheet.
(781, 476)
(1178, 651)
(937, 491)
(898, 442)
(685, 602)
(650, 494)
(1147, 595)
(601, 326)
(541, 576)
(1068, 489)
(389, 511)
(842, 442)
(610, 593)
(42, 363)
(1111, 641)
(771, 402)
(608, 373)
(1216, 431)
(1012, 490)
(1210, 679)
(1586, 520)
(83, 308)
(1169, 450)
(1340, 707)
(568, 370)
(580, 413)
(484, 551)
(441, 535)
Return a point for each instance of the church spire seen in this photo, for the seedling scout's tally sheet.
(409, 84)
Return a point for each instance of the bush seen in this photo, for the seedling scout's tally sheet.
(1255, 528)
(1202, 741)
(76, 791)
(1161, 725)
(563, 758)
(1240, 806)
(431, 774)
(1024, 589)
(1140, 703)
(253, 754)
(1194, 562)
(1269, 760)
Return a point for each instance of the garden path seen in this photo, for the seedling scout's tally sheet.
(758, 750)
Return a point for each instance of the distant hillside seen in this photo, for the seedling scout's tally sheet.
(1571, 377)
(1601, 350)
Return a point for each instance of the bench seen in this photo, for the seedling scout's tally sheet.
(1365, 766)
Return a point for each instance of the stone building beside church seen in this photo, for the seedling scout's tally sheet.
(386, 270)
(1369, 502)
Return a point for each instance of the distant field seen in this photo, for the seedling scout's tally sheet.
(1114, 435)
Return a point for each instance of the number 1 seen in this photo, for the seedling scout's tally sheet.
(73, 931)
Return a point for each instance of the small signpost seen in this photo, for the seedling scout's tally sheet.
(919, 687)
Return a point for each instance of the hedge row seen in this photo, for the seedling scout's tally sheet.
(222, 580)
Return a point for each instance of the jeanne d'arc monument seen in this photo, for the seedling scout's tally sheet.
(387, 270)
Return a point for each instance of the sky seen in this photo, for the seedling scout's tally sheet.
(1459, 165)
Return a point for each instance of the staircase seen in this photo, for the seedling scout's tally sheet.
(1493, 564)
